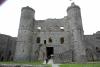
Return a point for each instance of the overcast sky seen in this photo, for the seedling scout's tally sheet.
(10, 13)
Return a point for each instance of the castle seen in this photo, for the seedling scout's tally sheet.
(63, 38)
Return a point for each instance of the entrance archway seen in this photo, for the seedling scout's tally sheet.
(49, 51)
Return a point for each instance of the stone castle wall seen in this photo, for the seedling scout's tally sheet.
(65, 36)
(7, 47)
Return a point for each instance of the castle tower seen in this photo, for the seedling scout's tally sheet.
(75, 22)
(25, 35)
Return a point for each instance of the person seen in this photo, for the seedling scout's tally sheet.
(50, 60)
(46, 60)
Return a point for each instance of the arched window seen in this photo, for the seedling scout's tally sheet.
(38, 40)
(50, 40)
(62, 40)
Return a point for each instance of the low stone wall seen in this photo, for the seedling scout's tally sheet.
(24, 65)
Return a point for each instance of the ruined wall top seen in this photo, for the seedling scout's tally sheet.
(28, 8)
(73, 5)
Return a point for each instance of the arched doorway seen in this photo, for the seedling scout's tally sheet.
(49, 52)
(1, 58)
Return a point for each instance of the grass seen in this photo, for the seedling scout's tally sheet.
(21, 62)
(96, 64)
(25, 62)
(80, 65)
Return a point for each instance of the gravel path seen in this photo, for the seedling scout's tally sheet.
(55, 65)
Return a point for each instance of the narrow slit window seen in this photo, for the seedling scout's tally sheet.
(62, 40)
(50, 40)
(44, 41)
(38, 40)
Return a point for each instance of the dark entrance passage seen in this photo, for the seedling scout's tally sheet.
(50, 51)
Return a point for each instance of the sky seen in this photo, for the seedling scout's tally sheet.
(10, 13)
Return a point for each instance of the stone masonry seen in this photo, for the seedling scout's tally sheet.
(39, 39)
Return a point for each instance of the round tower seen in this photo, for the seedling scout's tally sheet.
(74, 14)
(25, 35)
(75, 22)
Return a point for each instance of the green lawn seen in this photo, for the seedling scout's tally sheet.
(80, 65)
(61, 65)
(21, 62)
(25, 62)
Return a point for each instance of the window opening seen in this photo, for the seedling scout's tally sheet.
(62, 40)
(97, 49)
(44, 41)
(62, 28)
(39, 28)
(50, 40)
(38, 40)
(98, 38)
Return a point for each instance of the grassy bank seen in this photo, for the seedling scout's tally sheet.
(80, 65)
